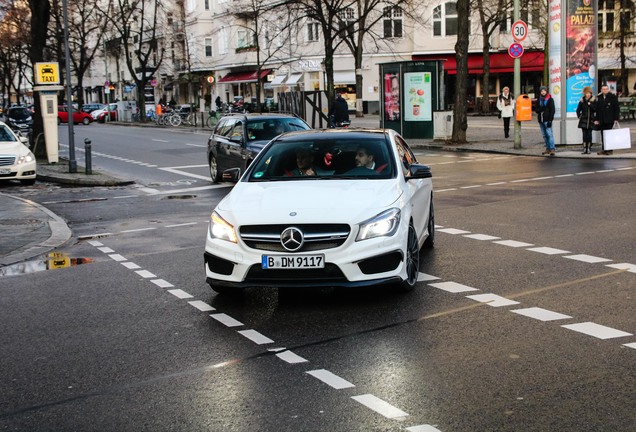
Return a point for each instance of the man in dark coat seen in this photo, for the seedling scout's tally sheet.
(608, 112)
(545, 115)
(339, 110)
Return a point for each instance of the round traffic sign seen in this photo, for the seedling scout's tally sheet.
(519, 30)
(515, 50)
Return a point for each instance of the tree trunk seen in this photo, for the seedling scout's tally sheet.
(40, 15)
(460, 123)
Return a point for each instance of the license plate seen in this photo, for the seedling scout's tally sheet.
(5, 171)
(293, 261)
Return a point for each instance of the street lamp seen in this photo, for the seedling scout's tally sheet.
(72, 163)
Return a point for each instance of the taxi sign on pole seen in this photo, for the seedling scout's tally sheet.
(519, 30)
(515, 50)
(47, 73)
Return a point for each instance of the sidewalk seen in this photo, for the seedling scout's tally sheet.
(28, 229)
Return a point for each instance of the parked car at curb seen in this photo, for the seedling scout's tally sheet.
(77, 116)
(16, 160)
(89, 108)
(357, 217)
(237, 139)
(101, 114)
(19, 118)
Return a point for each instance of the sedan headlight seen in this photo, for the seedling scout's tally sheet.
(221, 229)
(25, 159)
(384, 224)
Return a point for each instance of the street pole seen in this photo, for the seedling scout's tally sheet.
(72, 163)
(517, 81)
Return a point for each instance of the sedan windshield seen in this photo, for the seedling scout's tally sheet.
(19, 113)
(268, 128)
(6, 135)
(341, 158)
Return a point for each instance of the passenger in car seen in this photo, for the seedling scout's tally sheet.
(365, 159)
(305, 165)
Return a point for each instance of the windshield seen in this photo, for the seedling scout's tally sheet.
(20, 113)
(336, 158)
(6, 134)
(268, 128)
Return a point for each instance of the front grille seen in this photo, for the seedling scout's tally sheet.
(13, 174)
(331, 273)
(7, 160)
(317, 236)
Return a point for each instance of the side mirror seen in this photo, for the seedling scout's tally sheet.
(418, 171)
(24, 140)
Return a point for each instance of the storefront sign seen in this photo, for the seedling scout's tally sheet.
(306, 65)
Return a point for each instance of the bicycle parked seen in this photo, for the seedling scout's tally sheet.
(213, 118)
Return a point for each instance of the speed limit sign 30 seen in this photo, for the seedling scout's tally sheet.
(519, 30)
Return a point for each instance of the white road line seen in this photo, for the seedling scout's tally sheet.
(496, 183)
(543, 178)
(548, 250)
(146, 274)
(195, 145)
(445, 190)
(453, 231)
(117, 257)
(587, 258)
(330, 379)
(186, 173)
(513, 243)
(541, 314)
(180, 225)
(596, 330)
(630, 345)
(290, 357)
(624, 266)
(138, 229)
(193, 189)
(227, 320)
(202, 306)
(470, 187)
(584, 173)
(95, 243)
(452, 287)
(159, 140)
(180, 293)
(481, 237)
(563, 175)
(256, 337)
(626, 168)
(423, 428)
(381, 407)
(423, 277)
(130, 265)
(493, 300)
(150, 191)
(105, 249)
(162, 283)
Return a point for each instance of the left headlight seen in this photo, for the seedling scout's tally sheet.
(25, 158)
(221, 229)
(383, 224)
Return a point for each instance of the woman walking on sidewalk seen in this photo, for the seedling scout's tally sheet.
(506, 108)
(586, 112)
(545, 115)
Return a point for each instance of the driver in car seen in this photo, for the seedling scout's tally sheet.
(305, 165)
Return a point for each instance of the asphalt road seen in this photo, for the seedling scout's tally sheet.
(523, 319)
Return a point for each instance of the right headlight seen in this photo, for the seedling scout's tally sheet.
(383, 224)
(221, 229)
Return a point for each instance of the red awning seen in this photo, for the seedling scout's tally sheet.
(243, 77)
(499, 62)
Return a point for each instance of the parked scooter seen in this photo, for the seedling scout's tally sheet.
(334, 125)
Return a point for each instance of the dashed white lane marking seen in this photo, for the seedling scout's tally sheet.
(180, 225)
(493, 300)
(150, 191)
(139, 229)
(291, 357)
(470, 187)
(381, 407)
(586, 173)
(201, 305)
(423, 277)
(105, 249)
(146, 274)
(481, 237)
(95, 243)
(130, 265)
(495, 183)
(176, 170)
(630, 345)
(117, 257)
(422, 428)
(178, 293)
(256, 337)
(513, 243)
(596, 330)
(226, 320)
(624, 266)
(330, 379)
(162, 283)
(587, 258)
(541, 314)
(453, 287)
(454, 231)
(549, 250)
(563, 175)
(159, 140)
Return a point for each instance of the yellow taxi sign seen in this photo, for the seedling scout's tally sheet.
(47, 73)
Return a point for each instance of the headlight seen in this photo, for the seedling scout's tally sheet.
(384, 224)
(24, 159)
(221, 229)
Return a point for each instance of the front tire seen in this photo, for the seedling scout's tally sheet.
(430, 240)
(411, 260)
(214, 170)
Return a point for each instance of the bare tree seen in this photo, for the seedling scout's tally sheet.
(14, 46)
(460, 123)
(40, 15)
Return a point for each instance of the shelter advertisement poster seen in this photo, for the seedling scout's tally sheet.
(581, 48)
(392, 97)
(554, 60)
(418, 104)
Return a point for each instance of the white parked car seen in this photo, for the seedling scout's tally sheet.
(16, 160)
(331, 208)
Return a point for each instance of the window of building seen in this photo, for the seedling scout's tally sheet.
(529, 12)
(206, 4)
(445, 19)
(614, 15)
(313, 31)
(241, 38)
(208, 47)
(347, 17)
(392, 20)
(191, 5)
(223, 40)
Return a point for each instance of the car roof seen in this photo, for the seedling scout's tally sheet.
(355, 133)
(261, 115)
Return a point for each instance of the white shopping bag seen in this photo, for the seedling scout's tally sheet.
(617, 138)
